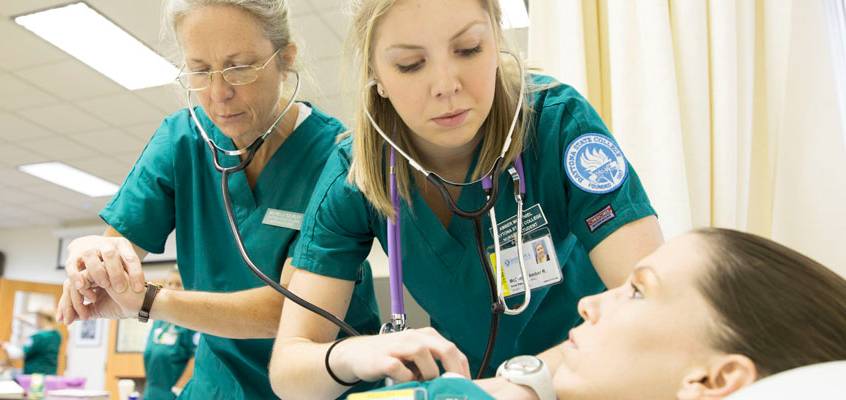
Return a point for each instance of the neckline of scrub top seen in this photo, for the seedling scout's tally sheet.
(446, 241)
(243, 196)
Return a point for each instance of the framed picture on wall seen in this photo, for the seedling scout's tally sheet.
(88, 333)
(131, 336)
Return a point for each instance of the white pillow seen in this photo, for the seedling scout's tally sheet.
(819, 382)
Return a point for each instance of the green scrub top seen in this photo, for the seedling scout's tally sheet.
(169, 348)
(174, 185)
(41, 352)
(441, 266)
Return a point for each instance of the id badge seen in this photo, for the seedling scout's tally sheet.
(401, 394)
(540, 259)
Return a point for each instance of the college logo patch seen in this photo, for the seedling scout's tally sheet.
(595, 163)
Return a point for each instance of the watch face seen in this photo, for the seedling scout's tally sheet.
(524, 364)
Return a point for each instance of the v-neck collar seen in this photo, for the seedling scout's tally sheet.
(243, 196)
(452, 242)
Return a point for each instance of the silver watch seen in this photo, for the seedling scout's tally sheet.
(528, 371)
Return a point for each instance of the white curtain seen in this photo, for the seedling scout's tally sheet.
(835, 11)
(727, 108)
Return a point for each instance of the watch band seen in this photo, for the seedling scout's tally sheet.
(538, 378)
(149, 296)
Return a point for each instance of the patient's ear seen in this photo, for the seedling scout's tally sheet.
(726, 375)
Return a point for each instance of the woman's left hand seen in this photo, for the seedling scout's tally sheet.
(501, 388)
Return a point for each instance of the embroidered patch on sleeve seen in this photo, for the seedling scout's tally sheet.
(600, 218)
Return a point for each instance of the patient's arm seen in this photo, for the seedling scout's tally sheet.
(502, 389)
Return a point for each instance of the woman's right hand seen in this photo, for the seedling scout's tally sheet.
(106, 261)
(402, 356)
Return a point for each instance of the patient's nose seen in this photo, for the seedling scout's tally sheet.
(589, 308)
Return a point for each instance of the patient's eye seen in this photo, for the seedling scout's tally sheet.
(636, 293)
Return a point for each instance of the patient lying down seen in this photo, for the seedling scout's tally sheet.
(704, 316)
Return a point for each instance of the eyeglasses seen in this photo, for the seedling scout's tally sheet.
(236, 76)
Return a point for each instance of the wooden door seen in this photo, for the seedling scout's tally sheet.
(8, 290)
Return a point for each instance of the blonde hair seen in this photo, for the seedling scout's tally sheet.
(367, 170)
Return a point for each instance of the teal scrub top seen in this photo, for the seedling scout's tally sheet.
(169, 348)
(174, 185)
(441, 265)
(41, 352)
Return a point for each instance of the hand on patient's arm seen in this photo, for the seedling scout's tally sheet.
(501, 389)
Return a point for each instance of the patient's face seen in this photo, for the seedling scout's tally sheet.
(640, 343)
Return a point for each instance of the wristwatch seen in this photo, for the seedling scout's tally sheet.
(528, 371)
(149, 296)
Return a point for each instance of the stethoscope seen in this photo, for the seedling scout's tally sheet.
(250, 152)
(491, 188)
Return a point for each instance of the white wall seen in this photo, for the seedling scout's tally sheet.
(31, 255)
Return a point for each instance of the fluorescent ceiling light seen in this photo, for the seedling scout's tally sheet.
(71, 178)
(83, 33)
(514, 14)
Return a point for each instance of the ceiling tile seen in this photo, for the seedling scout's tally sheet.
(121, 109)
(17, 196)
(20, 48)
(43, 220)
(143, 131)
(18, 7)
(110, 141)
(63, 118)
(79, 201)
(11, 223)
(59, 148)
(59, 210)
(70, 80)
(139, 18)
(16, 210)
(320, 40)
(16, 94)
(15, 129)
(127, 157)
(12, 155)
(167, 98)
(102, 166)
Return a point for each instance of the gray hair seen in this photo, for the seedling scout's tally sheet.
(272, 16)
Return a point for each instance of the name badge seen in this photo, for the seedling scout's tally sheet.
(539, 257)
(533, 219)
(283, 219)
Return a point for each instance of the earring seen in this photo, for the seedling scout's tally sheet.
(380, 90)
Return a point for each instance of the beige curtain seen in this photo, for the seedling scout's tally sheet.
(727, 108)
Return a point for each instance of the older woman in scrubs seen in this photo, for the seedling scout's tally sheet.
(236, 56)
(447, 95)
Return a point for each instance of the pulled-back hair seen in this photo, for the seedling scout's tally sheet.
(776, 306)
